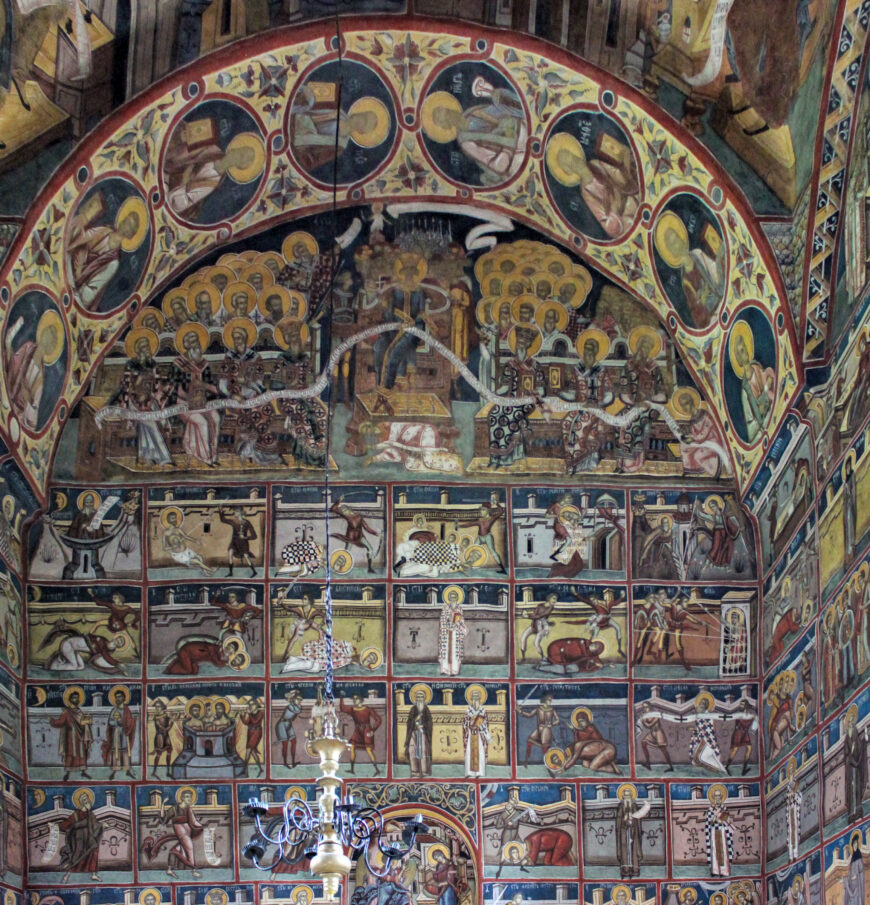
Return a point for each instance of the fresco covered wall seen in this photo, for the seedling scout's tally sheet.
(587, 564)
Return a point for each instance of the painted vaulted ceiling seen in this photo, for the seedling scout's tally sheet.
(590, 164)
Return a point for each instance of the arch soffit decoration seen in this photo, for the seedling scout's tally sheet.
(263, 73)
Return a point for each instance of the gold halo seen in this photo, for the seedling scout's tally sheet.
(562, 260)
(851, 714)
(515, 284)
(797, 882)
(420, 687)
(561, 315)
(669, 221)
(379, 657)
(484, 266)
(123, 689)
(126, 642)
(600, 337)
(437, 847)
(243, 323)
(713, 788)
(156, 312)
(223, 894)
(521, 301)
(240, 286)
(626, 786)
(210, 290)
(207, 274)
(295, 792)
(678, 393)
(80, 499)
(537, 340)
(475, 687)
(341, 561)
(153, 891)
(705, 696)
(581, 711)
(555, 759)
(638, 333)
(51, 318)
(281, 292)
(563, 141)
(433, 102)
(178, 293)
(714, 498)
(262, 270)
(191, 327)
(295, 238)
(542, 276)
(742, 329)
(377, 135)
(583, 287)
(689, 894)
(133, 205)
(617, 888)
(258, 161)
(246, 661)
(233, 262)
(182, 790)
(135, 335)
(297, 890)
(483, 311)
(856, 835)
(68, 691)
(475, 555)
(486, 284)
(791, 767)
(264, 257)
(453, 590)
(164, 516)
(510, 848)
(286, 322)
(80, 795)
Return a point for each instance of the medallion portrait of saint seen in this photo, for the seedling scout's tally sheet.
(213, 163)
(750, 374)
(475, 126)
(107, 245)
(341, 127)
(592, 175)
(689, 254)
(35, 358)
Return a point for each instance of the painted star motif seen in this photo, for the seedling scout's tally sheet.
(273, 81)
(745, 261)
(661, 155)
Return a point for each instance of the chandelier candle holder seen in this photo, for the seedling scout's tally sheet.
(333, 834)
(336, 831)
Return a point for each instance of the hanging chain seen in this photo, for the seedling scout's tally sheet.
(330, 723)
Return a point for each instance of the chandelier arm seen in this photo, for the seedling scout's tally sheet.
(265, 832)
